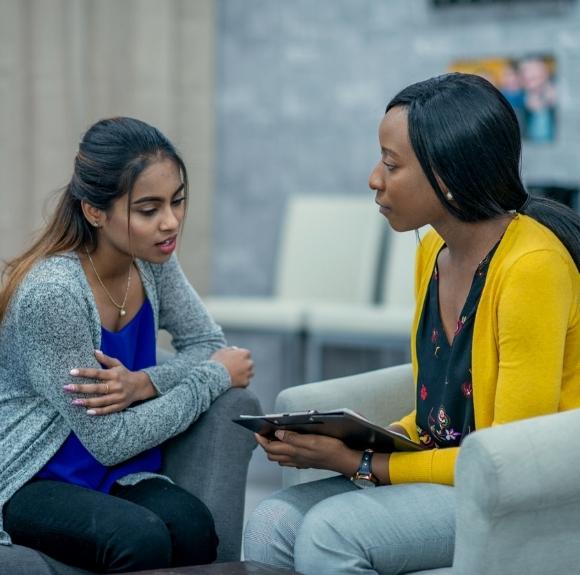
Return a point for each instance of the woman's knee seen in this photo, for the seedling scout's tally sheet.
(192, 529)
(271, 531)
(327, 541)
(319, 537)
(187, 519)
(142, 544)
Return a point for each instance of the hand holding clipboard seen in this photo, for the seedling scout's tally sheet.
(354, 430)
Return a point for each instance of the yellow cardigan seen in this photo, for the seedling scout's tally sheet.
(526, 340)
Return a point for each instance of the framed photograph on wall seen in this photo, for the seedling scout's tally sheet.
(528, 83)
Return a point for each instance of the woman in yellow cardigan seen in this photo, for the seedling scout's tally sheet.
(496, 337)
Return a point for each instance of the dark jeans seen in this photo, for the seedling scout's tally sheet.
(151, 525)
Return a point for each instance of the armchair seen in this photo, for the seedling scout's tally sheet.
(518, 495)
(220, 482)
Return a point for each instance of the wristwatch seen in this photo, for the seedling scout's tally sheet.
(363, 476)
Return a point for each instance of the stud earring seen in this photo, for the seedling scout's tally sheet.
(449, 196)
(96, 224)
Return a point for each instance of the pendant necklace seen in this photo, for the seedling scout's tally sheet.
(121, 307)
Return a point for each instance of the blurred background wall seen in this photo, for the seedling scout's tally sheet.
(265, 98)
(302, 86)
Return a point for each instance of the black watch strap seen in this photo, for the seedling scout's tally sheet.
(364, 475)
(365, 463)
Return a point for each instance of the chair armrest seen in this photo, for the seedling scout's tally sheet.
(518, 498)
(210, 460)
(383, 396)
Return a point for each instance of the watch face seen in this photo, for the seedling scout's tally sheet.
(363, 482)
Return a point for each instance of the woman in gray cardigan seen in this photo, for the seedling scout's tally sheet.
(80, 430)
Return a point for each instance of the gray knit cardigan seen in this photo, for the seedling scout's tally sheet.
(52, 326)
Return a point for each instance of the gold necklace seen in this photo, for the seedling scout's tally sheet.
(121, 307)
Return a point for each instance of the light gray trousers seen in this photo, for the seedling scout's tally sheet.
(331, 527)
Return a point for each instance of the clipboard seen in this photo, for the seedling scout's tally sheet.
(356, 431)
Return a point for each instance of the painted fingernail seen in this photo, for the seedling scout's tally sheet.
(69, 387)
(78, 402)
(91, 412)
(279, 434)
(98, 351)
(74, 371)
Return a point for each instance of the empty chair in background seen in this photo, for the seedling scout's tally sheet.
(385, 325)
(328, 252)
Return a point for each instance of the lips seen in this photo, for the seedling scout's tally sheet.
(167, 241)
(168, 245)
(383, 209)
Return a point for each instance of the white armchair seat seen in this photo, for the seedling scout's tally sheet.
(257, 314)
(360, 321)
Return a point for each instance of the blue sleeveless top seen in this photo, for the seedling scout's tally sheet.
(135, 347)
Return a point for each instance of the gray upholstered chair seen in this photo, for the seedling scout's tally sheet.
(210, 460)
(518, 487)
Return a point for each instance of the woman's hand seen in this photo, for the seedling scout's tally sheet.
(117, 390)
(238, 362)
(300, 450)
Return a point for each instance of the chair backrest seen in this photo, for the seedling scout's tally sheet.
(329, 249)
(398, 278)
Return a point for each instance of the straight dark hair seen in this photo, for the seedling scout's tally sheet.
(112, 155)
(466, 136)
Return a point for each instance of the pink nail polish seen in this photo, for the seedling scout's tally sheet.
(78, 402)
(68, 387)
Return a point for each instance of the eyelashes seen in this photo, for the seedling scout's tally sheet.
(153, 211)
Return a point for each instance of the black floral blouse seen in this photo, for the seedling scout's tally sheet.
(444, 389)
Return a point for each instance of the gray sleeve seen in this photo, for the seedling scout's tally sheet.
(195, 335)
(55, 337)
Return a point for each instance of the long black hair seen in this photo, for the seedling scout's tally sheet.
(465, 135)
(112, 155)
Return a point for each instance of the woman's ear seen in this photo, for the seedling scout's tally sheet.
(93, 215)
(444, 188)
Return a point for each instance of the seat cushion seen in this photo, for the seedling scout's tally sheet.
(18, 560)
(441, 571)
(256, 314)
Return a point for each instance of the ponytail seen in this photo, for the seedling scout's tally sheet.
(67, 230)
(563, 221)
